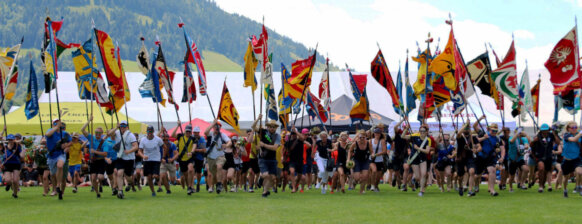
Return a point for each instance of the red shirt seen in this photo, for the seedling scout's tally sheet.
(248, 149)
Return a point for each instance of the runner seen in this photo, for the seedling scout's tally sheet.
(250, 164)
(169, 155)
(307, 160)
(341, 147)
(400, 152)
(445, 154)
(125, 156)
(57, 140)
(75, 160)
(217, 142)
(239, 152)
(465, 159)
(294, 148)
(571, 153)
(518, 145)
(138, 174)
(486, 159)
(97, 153)
(377, 168)
(504, 166)
(149, 150)
(542, 147)
(40, 158)
(14, 155)
(418, 159)
(229, 166)
(270, 141)
(361, 151)
(323, 148)
(186, 146)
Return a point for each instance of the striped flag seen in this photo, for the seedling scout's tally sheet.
(193, 56)
(381, 73)
(505, 76)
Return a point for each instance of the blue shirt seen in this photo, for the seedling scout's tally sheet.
(170, 153)
(94, 142)
(108, 147)
(51, 143)
(200, 145)
(443, 153)
(513, 149)
(488, 146)
(14, 159)
(571, 149)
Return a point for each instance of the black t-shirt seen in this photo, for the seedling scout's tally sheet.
(464, 148)
(543, 147)
(269, 139)
(342, 154)
(322, 148)
(400, 147)
(295, 149)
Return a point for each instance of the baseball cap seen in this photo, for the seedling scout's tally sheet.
(544, 127)
(75, 135)
(377, 130)
(196, 129)
(10, 137)
(150, 128)
(304, 131)
(124, 124)
(17, 135)
(55, 120)
(188, 128)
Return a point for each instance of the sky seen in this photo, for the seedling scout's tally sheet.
(349, 31)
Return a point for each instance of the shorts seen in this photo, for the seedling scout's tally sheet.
(168, 168)
(110, 168)
(396, 164)
(483, 163)
(465, 165)
(442, 165)
(125, 165)
(11, 167)
(52, 163)
(514, 165)
(97, 167)
(268, 166)
(228, 164)
(547, 164)
(198, 165)
(184, 165)
(419, 159)
(531, 162)
(286, 167)
(255, 165)
(139, 165)
(297, 166)
(307, 168)
(151, 168)
(75, 168)
(568, 166)
(380, 167)
(361, 165)
(213, 163)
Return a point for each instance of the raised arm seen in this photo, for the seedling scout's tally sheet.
(85, 133)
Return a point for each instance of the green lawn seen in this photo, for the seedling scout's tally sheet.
(388, 206)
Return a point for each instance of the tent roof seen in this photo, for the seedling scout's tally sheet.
(74, 115)
(201, 124)
(340, 117)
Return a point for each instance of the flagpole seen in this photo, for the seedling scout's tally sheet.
(538, 100)
(305, 86)
(167, 76)
(427, 78)
(328, 91)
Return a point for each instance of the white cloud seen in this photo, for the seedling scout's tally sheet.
(523, 34)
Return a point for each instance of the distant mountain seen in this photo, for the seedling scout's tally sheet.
(221, 36)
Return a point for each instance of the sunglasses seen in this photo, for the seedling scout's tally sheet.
(573, 127)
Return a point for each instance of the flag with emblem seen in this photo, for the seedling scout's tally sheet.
(564, 63)
(193, 56)
(360, 111)
(251, 64)
(166, 76)
(301, 71)
(142, 58)
(382, 75)
(324, 87)
(189, 90)
(410, 97)
(505, 76)
(8, 70)
(150, 88)
(89, 80)
(535, 97)
(260, 47)
(293, 91)
(269, 92)
(32, 94)
(227, 111)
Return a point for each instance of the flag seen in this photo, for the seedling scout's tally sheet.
(315, 109)
(260, 47)
(87, 74)
(410, 96)
(535, 96)
(480, 71)
(166, 76)
(324, 93)
(564, 65)
(399, 92)
(505, 76)
(360, 111)
(113, 73)
(571, 101)
(444, 64)
(251, 63)
(227, 111)
(462, 75)
(302, 70)
(269, 92)
(8, 58)
(189, 93)
(525, 101)
(150, 88)
(31, 109)
(142, 58)
(382, 75)
(193, 56)
(284, 103)
(421, 59)
(293, 91)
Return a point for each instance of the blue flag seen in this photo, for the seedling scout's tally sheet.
(31, 108)
(410, 97)
(150, 88)
(398, 92)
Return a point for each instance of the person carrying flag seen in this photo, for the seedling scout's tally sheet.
(270, 141)
(218, 141)
(57, 140)
(125, 156)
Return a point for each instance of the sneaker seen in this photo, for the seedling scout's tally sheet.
(114, 192)
(127, 189)
(275, 189)
(153, 194)
(265, 195)
(160, 189)
(343, 191)
(210, 190)
(8, 187)
(133, 188)
(92, 189)
(53, 193)
(549, 189)
(470, 194)
(301, 190)
(530, 185)
(60, 193)
(233, 189)
(540, 190)
(317, 186)
(14, 196)
(189, 191)
(120, 195)
(75, 190)
(251, 190)
(168, 192)
(565, 193)
(100, 189)
(372, 188)
(460, 192)
(420, 194)
(494, 194)
(510, 190)
(218, 188)
(98, 195)
(404, 189)
(323, 191)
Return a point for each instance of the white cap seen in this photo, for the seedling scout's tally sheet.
(196, 129)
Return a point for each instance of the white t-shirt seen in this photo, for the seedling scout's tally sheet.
(151, 148)
(217, 150)
(128, 139)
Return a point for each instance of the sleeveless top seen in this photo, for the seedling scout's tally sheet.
(361, 155)
(377, 149)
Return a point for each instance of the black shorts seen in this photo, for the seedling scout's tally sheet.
(126, 165)
(97, 167)
(442, 165)
(514, 165)
(151, 168)
(396, 164)
(465, 165)
(418, 160)
(254, 165)
(297, 166)
(184, 165)
(228, 164)
(547, 164)
(110, 168)
(41, 170)
(568, 166)
(380, 166)
(268, 166)
(198, 165)
(483, 163)
(10, 167)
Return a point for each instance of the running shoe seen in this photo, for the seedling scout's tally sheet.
(133, 188)
(420, 194)
(60, 193)
(74, 189)
(218, 188)
(14, 196)
(460, 192)
(565, 193)
(127, 188)
(98, 195)
(549, 189)
(190, 191)
(114, 192)
(540, 190)
(100, 189)
(153, 194)
(323, 191)
(8, 187)
(210, 190)
(251, 190)
(168, 192)
(317, 186)
(160, 189)
(197, 187)
(494, 194)
(301, 190)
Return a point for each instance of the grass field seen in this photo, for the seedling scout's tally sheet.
(388, 206)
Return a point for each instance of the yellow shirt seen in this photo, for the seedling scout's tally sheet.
(75, 154)
(180, 145)
(279, 162)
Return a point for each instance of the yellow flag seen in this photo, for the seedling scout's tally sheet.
(420, 83)
(226, 111)
(443, 65)
(251, 63)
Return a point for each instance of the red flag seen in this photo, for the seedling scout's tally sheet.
(381, 73)
(563, 64)
(535, 96)
(260, 47)
(110, 64)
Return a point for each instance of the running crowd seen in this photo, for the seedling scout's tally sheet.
(302, 160)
